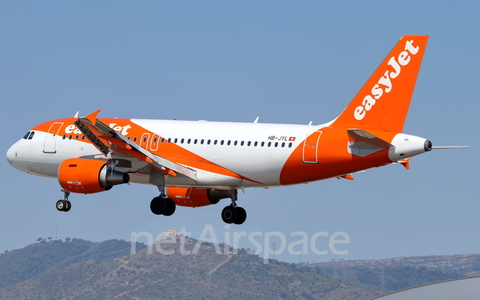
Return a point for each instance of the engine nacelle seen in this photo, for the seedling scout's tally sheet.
(87, 176)
(195, 197)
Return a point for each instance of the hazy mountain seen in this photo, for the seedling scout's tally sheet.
(85, 270)
(182, 268)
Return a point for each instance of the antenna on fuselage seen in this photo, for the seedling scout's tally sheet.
(256, 120)
(76, 115)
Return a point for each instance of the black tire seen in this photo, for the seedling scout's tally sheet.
(170, 207)
(229, 214)
(241, 215)
(67, 206)
(158, 205)
(60, 205)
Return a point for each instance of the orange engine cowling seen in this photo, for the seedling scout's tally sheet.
(195, 197)
(87, 176)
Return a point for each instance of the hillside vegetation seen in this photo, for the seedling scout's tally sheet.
(79, 269)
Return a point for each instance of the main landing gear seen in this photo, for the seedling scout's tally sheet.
(234, 214)
(162, 205)
(64, 205)
(231, 214)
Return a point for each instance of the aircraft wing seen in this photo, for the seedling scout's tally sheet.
(107, 140)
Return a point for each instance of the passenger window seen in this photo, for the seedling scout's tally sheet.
(134, 139)
(235, 143)
(269, 144)
(276, 144)
(76, 137)
(283, 145)
(228, 143)
(249, 143)
(195, 141)
(169, 140)
(241, 143)
(221, 142)
(188, 141)
(208, 142)
(215, 142)
(70, 137)
(64, 136)
(262, 144)
(255, 144)
(201, 142)
(83, 137)
(289, 145)
(176, 140)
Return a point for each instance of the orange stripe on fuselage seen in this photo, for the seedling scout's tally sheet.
(131, 130)
(333, 158)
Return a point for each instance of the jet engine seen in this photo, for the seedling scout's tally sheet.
(87, 176)
(195, 197)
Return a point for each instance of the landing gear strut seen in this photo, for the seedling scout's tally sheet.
(64, 205)
(234, 214)
(161, 205)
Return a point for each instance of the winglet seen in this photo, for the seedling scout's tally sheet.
(93, 117)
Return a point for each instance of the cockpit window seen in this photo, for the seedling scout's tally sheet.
(29, 135)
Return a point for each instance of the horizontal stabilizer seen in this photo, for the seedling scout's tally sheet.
(363, 143)
(360, 135)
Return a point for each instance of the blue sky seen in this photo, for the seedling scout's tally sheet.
(287, 62)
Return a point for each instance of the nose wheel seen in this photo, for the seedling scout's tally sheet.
(64, 205)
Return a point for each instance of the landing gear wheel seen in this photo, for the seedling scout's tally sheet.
(170, 207)
(60, 205)
(67, 206)
(158, 205)
(229, 214)
(63, 205)
(241, 215)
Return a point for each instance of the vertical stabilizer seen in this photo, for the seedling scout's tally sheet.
(383, 102)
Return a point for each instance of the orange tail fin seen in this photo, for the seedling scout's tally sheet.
(384, 100)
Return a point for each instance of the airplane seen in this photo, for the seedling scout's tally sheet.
(198, 163)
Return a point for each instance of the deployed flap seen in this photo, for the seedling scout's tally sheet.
(363, 143)
(108, 140)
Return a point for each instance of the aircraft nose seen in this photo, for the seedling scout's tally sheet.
(12, 155)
